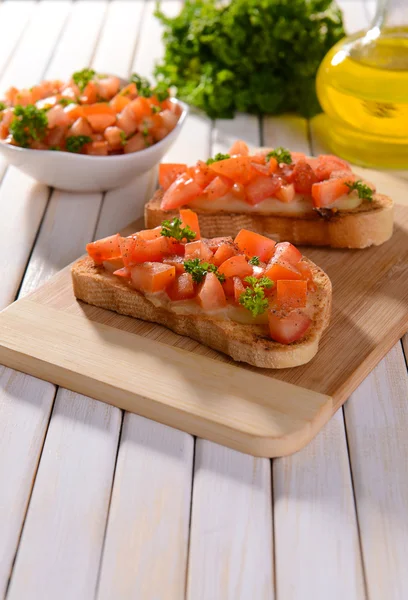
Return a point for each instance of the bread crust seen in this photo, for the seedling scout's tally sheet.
(370, 224)
(246, 343)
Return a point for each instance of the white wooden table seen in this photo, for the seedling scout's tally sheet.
(97, 503)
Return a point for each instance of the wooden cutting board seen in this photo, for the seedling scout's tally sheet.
(147, 369)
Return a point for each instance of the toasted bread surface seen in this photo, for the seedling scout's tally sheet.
(247, 343)
(370, 224)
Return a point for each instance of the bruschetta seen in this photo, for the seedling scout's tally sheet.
(258, 301)
(282, 194)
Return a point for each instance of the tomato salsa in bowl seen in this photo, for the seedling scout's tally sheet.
(91, 133)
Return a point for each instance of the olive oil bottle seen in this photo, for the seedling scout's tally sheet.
(362, 85)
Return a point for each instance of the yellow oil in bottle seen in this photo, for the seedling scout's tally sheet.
(362, 85)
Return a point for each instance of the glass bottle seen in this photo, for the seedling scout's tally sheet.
(362, 85)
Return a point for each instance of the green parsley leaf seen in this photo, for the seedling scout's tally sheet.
(66, 101)
(199, 269)
(156, 109)
(29, 124)
(254, 261)
(282, 155)
(142, 84)
(364, 192)
(253, 299)
(123, 137)
(173, 229)
(145, 131)
(161, 91)
(2, 106)
(217, 158)
(76, 142)
(82, 78)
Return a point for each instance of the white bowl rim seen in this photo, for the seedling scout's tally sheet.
(118, 157)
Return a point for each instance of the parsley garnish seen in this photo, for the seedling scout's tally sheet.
(253, 299)
(199, 269)
(364, 192)
(123, 137)
(156, 109)
(145, 131)
(282, 155)
(82, 78)
(218, 157)
(161, 91)
(66, 101)
(76, 142)
(173, 229)
(254, 261)
(142, 84)
(29, 123)
(2, 106)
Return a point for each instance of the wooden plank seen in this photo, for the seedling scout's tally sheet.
(231, 555)
(25, 406)
(317, 547)
(59, 556)
(145, 550)
(377, 422)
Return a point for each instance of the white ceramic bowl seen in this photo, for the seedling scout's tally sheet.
(82, 173)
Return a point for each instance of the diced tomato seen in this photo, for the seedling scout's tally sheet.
(190, 218)
(168, 173)
(254, 244)
(261, 188)
(182, 288)
(152, 276)
(119, 102)
(169, 119)
(105, 249)
(141, 108)
(239, 288)
(215, 243)
(113, 264)
(100, 116)
(136, 250)
(287, 252)
(303, 177)
(224, 252)
(238, 191)
(107, 87)
(258, 159)
(123, 272)
(236, 266)
(237, 168)
(115, 137)
(211, 294)
(202, 174)
(127, 121)
(56, 137)
(307, 274)
(286, 172)
(74, 111)
(280, 269)
(149, 234)
(228, 287)
(90, 94)
(197, 249)
(176, 261)
(239, 147)
(218, 188)
(80, 127)
(261, 169)
(57, 117)
(286, 328)
(272, 165)
(129, 91)
(298, 156)
(326, 164)
(327, 192)
(99, 148)
(136, 143)
(181, 192)
(291, 294)
(286, 193)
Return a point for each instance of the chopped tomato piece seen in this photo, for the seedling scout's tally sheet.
(224, 252)
(326, 164)
(107, 87)
(152, 276)
(228, 287)
(99, 115)
(197, 249)
(280, 269)
(286, 193)
(105, 249)
(218, 188)
(129, 91)
(135, 143)
(272, 165)
(123, 272)
(80, 127)
(149, 234)
(286, 172)
(238, 191)
(98, 148)
(136, 250)
(239, 288)
(114, 136)
(181, 192)
(237, 168)
(286, 328)
(254, 244)
(239, 147)
(307, 274)
(303, 177)
(176, 261)
(211, 294)
(182, 288)
(90, 94)
(168, 173)
(74, 111)
(291, 294)
(327, 192)
(261, 169)
(113, 264)
(215, 243)
(261, 188)
(119, 102)
(141, 108)
(298, 156)
(190, 218)
(287, 252)
(202, 174)
(126, 121)
(57, 117)
(236, 266)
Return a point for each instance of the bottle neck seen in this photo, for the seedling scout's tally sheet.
(391, 13)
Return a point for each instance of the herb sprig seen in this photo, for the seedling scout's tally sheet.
(175, 230)
(82, 78)
(66, 101)
(253, 299)
(199, 269)
(217, 158)
(75, 143)
(254, 261)
(2, 106)
(29, 124)
(282, 155)
(364, 191)
(145, 89)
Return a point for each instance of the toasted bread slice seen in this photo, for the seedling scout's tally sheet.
(247, 343)
(370, 224)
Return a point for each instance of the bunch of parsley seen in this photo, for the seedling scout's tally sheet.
(258, 56)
